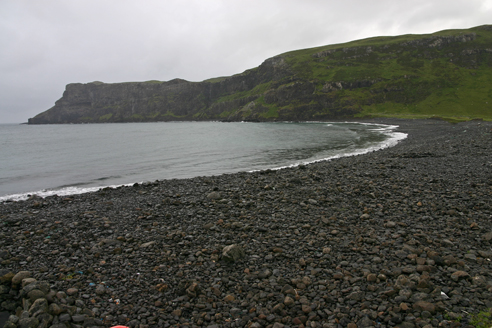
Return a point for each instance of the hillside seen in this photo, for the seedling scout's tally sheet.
(445, 74)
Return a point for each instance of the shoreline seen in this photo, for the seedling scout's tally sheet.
(366, 240)
(67, 189)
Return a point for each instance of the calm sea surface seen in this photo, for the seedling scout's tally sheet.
(70, 159)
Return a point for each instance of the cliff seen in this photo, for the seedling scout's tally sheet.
(446, 74)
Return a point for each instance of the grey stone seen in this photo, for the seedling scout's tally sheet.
(233, 253)
(28, 323)
(40, 304)
(65, 317)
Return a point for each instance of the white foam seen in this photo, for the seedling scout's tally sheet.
(58, 192)
(393, 140)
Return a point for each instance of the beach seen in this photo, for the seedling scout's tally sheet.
(396, 237)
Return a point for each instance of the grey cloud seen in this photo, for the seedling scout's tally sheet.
(48, 44)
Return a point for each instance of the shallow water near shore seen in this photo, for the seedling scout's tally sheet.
(70, 159)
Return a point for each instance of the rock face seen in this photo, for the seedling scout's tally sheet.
(337, 81)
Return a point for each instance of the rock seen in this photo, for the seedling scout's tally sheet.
(147, 244)
(485, 254)
(288, 301)
(27, 281)
(424, 306)
(35, 294)
(403, 282)
(54, 309)
(17, 279)
(100, 290)
(458, 275)
(326, 250)
(43, 286)
(229, 298)
(233, 253)
(214, 195)
(72, 291)
(365, 322)
(306, 308)
(28, 323)
(192, 290)
(487, 236)
(38, 305)
(6, 276)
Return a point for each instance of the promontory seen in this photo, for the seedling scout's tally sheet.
(446, 74)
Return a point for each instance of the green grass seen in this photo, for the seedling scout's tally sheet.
(105, 117)
(482, 320)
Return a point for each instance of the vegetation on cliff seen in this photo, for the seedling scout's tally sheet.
(447, 74)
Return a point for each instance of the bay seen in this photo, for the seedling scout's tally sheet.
(71, 159)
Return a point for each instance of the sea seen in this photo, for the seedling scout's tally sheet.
(67, 159)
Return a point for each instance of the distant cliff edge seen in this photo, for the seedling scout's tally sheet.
(445, 74)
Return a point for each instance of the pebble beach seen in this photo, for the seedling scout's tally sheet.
(400, 237)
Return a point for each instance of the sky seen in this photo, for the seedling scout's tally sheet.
(47, 44)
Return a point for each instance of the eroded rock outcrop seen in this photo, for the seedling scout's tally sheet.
(331, 82)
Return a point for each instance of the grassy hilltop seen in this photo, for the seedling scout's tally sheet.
(446, 74)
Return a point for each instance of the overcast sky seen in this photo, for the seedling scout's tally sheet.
(46, 44)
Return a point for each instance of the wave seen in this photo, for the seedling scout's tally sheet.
(393, 139)
(65, 191)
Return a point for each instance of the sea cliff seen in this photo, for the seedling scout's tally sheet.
(445, 74)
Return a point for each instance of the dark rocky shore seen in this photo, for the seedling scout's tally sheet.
(398, 237)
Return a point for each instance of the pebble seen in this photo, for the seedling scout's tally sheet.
(368, 240)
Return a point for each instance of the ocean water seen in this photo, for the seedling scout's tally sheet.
(71, 159)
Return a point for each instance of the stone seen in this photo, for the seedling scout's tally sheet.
(459, 275)
(424, 306)
(403, 282)
(289, 301)
(78, 318)
(54, 309)
(326, 250)
(365, 322)
(40, 285)
(100, 290)
(371, 277)
(35, 294)
(214, 195)
(27, 281)
(404, 307)
(6, 276)
(40, 304)
(65, 317)
(147, 244)
(72, 291)
(17, 279)
(487, 236)
(306, 308)
(229, 298)
(233, 253)
(28, 323)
